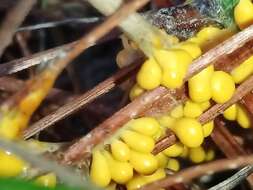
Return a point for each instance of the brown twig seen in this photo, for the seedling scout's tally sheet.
(36, 59)
(12, 21)
(227, 143)
(196, 171)
(81, 101)
(109, 126)
(247, 101)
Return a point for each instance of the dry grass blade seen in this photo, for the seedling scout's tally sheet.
(12, 21)
(196, 171)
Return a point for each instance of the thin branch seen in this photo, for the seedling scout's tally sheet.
(197, 171)
(60, 23)
(225, 141)
(12, 21)
(36, 59)
(81, 101)
(247, 101)
(234, 180)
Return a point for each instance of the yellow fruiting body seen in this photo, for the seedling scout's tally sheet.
(121, 172)
(10, 165)
(192, 109)
(137, 141)
(140, 180)
(243, 13)
(48, 180)
(223, 87)
(173, 164)
(195, 40)
(136, 183)
(197, 155)
(174, 64)
(208, 128)
(185, 152)
(166, 121)
(143, 163)
(177, 112)
(111, 186)
(210, 36)
(150, 75)
(146, 125)
(162, 159)
(175, 150)
(99, 163)
(159, 133)
(120, 150)
(135, 91)
(243, 71)
(158, 174)
(192, 48)
(10, 125)
(189, 131)
(200, 85)
(210, 154)
(243, 118)
(231, 113)
(205, 105)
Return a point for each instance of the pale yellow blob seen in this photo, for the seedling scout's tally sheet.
(143, 163)
(243, 71)
(175, 150)
(197, 155)
(243, 13)
(189, 131)
(135, 91)
(173, 164)
(137, 141)
(99, 163)
(120, 150)
(208, 128)
(150, 75)
(48, 180)
(231, 112)
(146, 125)
(192, 109)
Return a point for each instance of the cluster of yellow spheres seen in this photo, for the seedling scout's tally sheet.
(129, 160)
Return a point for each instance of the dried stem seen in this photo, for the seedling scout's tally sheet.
(226, 142)
(196, 171)
(12, 21)
(234, 180)
(247, 101)
(81, 101)
(36, 59)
